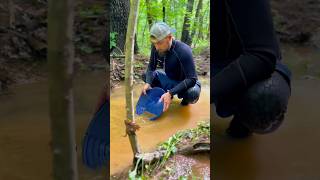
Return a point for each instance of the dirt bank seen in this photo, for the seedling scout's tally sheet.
(23, 45)
(297, 21)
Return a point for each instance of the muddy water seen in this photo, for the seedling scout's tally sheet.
(292, 152)
(193, 167)
(201, 168)
(151, 132)
(24, 129)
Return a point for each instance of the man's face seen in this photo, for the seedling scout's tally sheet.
(163, 45)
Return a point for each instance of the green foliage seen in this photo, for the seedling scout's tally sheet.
(175, 13)
(203, 129)
(138, 65)
(113, 39)
(133, 175)
(170, 146)
(182, 178)
(199, 46)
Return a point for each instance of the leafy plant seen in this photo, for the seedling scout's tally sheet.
(113, 39)
(170, 146)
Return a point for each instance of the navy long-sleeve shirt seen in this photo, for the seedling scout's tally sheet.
(244, 43)
(178, 65)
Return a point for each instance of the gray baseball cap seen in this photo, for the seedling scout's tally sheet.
(159, 31)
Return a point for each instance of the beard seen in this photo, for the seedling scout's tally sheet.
(162, 53)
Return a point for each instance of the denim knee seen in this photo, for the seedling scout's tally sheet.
(263, 107)
(192, 95)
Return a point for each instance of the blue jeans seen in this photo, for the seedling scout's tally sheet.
(160, 79)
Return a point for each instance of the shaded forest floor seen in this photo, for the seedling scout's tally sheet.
(23, 46)
(297, 22)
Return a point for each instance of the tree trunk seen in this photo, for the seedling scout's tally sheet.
(175, 19)
(208, 35)
(60, 61)
(164, 3)
(119, 20)
(149, 14)
(185, 37)
(143, 35)
(136, 47)
(129, 57)
(105, 48)
(200, 28)
(11, 13)
(106, 44)
(196, 22)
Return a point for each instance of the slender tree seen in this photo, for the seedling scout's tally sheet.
(60, 59)
(164, 3)
(208, 35)
(196, 22)
(129, 57)
(11, 13)
(185, 37)
(176, 18)
(136, 47)
(149, 14)
(202, 25)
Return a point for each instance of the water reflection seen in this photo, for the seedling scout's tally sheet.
(25, 128)
(292, 152)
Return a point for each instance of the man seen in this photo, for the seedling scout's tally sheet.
(177, 74)
(248, 80)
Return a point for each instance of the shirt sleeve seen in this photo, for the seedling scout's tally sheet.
(188, 68)
(239, 75)
(151, 66)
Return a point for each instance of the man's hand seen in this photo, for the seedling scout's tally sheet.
(145, 88)
(166, 98)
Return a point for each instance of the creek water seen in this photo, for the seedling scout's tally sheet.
(151, 133)
(291, 152)
(25, 128)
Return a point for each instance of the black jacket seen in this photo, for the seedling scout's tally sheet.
(244, 43)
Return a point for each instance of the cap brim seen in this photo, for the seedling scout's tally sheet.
(153, 40)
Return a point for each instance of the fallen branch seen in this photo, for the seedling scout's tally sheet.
(195, 148)
(117, 56)
(200, 147)
(152, 157)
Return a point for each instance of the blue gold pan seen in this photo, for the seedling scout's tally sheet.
(150, 103)
(95, 149)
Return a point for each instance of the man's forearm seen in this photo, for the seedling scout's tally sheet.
(149, 76)
(183, 85)
(241, 74)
